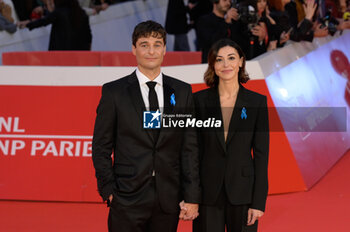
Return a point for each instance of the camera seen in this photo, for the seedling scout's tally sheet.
(248, 15)
(330, 22)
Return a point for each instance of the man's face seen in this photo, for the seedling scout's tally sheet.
(223, 5)
(149, 52)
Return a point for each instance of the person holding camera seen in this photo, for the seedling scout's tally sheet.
(226, 21)
(273, 34)
(294, 25)
(218, 24)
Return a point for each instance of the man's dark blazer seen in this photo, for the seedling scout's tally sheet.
(119, 130)
(245, 177)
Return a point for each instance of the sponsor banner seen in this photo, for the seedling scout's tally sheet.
(45, 143)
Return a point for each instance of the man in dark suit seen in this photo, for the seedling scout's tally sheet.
(152, 170)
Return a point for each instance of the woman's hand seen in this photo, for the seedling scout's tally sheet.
(320, 31)
(309, 9)
(284, 37)
(253, 215)
(260, 31)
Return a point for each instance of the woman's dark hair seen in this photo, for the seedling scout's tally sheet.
(276, 5)
(147, 29)
(210, 77)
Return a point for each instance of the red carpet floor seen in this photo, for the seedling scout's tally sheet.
(325, 208)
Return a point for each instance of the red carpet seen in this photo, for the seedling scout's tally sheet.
(322, 209)
(325, 208)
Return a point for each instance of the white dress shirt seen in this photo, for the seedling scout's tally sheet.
(145, 90)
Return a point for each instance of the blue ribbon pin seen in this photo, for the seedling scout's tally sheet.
(244, 113)
(172, 99)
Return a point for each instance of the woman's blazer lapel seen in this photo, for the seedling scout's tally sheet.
(238, 114)
(214, 110)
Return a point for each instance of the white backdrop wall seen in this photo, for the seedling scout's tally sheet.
(111, 29)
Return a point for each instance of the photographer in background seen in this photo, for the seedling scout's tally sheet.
(226, 21)
(219, 24)
(255, 27)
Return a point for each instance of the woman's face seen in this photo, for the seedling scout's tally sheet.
(227, 64)
(261, 4)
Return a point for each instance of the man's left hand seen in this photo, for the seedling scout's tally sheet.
(189, 211)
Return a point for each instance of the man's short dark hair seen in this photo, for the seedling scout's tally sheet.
(147, 29)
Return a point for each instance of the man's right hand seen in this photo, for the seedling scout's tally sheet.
(232, 14)
(109, 200)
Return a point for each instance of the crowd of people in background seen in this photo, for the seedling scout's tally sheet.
(256, 25)
(69, 18)
(70, 26)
